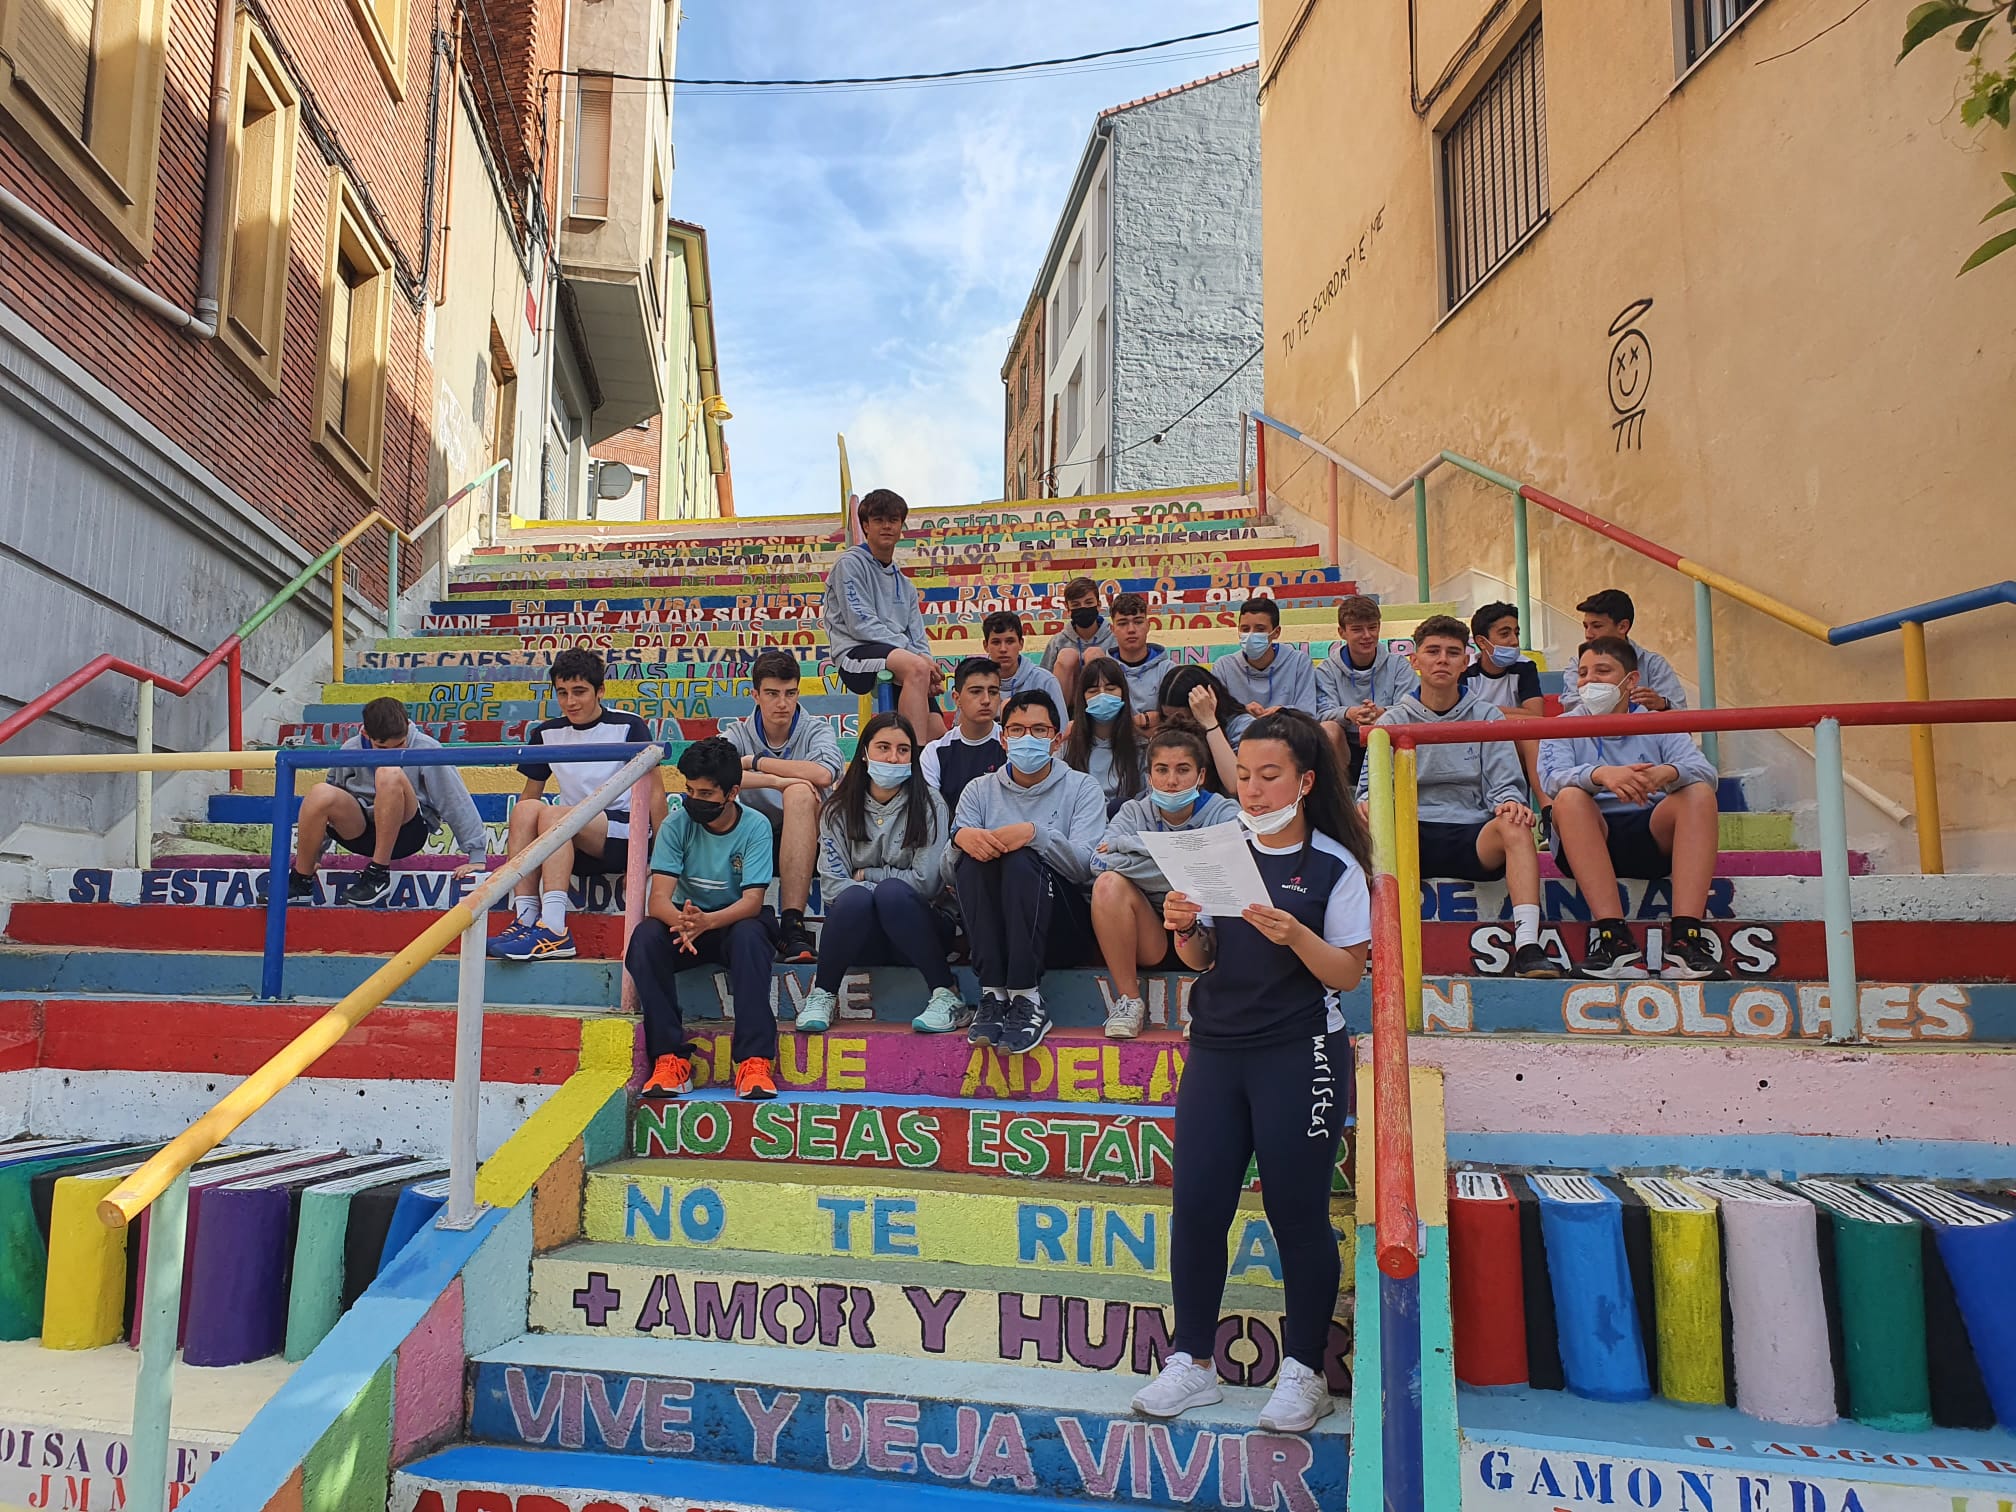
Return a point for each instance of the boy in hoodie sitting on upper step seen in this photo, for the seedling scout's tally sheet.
(1265, 675)
(1024, 837)
(1361, 680)
(1471, 809)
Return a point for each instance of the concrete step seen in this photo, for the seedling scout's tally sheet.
(900, 1424)
(911, 1217)
(1785, 950)
(1108, 1144)
(1004, 558)
(982, 1315)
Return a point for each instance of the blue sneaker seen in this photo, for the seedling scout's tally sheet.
(508, 939)
(544, 945)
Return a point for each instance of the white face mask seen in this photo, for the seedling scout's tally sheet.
(1271, 824)
(1601, 698)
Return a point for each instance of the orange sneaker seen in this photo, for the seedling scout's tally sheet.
(671, 1076)
(753, 1081)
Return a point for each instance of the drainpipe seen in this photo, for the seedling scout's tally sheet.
(216, 164)
(202, 325)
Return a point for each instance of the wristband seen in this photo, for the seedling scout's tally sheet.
(1211, 729)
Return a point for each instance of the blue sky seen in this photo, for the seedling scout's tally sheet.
(872, 250)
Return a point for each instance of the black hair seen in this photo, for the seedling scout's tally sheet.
(1181, 736)
(1128, 603)
(1104, 672)
(578, 664)
(384, 719)
(1002, 622)
(1175, 692)
(849, 798)
(714, 760)
(1611, 603)
(1329, 808)
(882, 504)
(1442, 627)
(1488, 615)
(1032, 698)
(972, 667)
(1185, 724)
(1614, 646)
(1265, 606)
(773, 666)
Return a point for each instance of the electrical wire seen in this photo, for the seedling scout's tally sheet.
(917, 78)
(1112, 66)
(1155, 436)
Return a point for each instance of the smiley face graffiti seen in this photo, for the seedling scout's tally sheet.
(1630, 374)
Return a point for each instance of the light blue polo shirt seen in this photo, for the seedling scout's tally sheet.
(712, 869)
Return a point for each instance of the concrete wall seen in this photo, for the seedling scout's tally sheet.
(114, 539)
(1826, 416)
(1186, 298)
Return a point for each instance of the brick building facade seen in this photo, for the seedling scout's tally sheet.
(1023, 462)
(385, 189)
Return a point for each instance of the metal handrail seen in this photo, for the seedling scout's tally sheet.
(1910, 622)
(163, 1181)
(230, 655)
(1397, 970)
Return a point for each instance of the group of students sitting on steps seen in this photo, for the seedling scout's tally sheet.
(1017, 822)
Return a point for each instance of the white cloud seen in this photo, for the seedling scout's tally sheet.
(872, 251)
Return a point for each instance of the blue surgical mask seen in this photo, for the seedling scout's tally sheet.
(1255, 643)
(1105, 705)
(1171, 803)
(1029, 754)
(1504, 656)
(888, 774)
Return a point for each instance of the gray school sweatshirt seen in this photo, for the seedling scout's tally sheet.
(866, 601)
(1121, 848)
(1289, 680)
(1341, 686)
(444, 799)
(882, 856)
(1457, 784)
(1065, 806)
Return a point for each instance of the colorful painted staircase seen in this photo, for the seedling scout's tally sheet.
(938, 1268)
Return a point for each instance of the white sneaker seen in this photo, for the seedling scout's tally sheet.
(1126, 1017)
(1300, 1397)
(1182, 1385)
(943, 1014)
(815, 1015)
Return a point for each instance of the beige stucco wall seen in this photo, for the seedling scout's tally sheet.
(484, 286)
(1828, 416)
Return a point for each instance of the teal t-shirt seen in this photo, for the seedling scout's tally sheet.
(713, 869)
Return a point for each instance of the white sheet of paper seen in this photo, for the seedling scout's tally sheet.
(1212, 867)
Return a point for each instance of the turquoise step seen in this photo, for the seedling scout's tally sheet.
(899, 1423)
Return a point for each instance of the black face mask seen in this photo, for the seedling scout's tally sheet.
(1085, 619)
(703, 810)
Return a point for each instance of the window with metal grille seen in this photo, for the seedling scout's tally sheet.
(1703, 23)
(1494, 169)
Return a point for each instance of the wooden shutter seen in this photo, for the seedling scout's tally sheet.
(53, 55)
(336, 371)
(591, 146)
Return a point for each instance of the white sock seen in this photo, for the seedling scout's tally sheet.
(553, 911)
(1525, 924)
(1032, 994)
(527, 908)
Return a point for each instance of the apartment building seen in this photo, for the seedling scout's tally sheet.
(1150, 289)
(270, 265)
(1689, 264)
